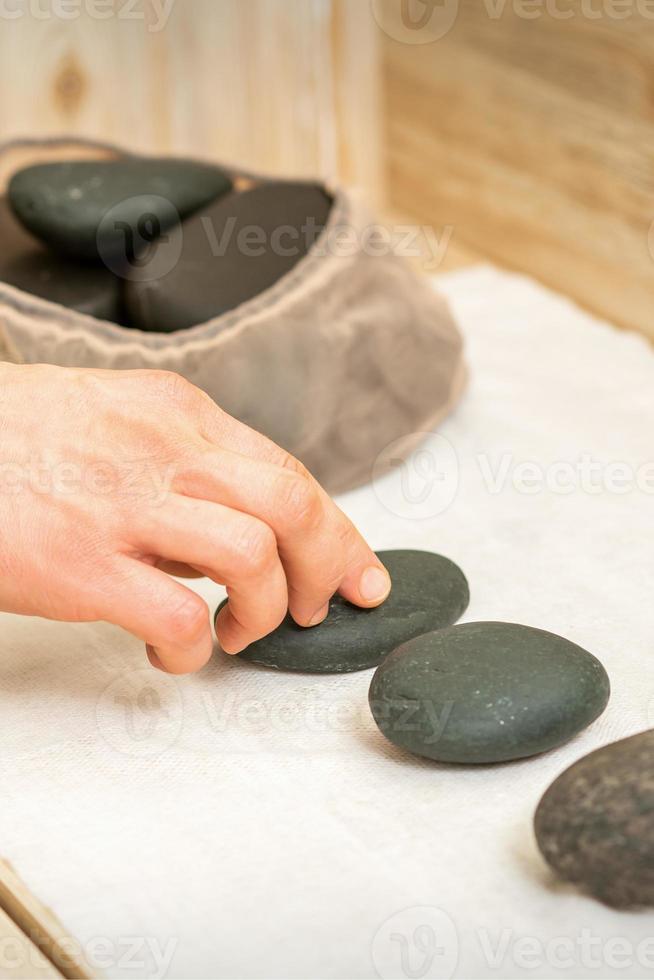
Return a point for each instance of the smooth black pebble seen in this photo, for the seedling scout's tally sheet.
(109, 209)
(429, 592)
(487, 692)
(595, 824)
(227, 254)
(26, 264)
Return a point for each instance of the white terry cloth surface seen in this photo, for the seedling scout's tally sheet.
(249, 823)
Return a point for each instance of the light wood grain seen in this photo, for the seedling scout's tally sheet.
(356, 72)
(285, 86)
(39, 923)
(534, 140)
(20, 959)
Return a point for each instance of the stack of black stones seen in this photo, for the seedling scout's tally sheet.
(164, 244)
(155, 244)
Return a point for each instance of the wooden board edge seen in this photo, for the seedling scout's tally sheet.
(20, 958)
(41, 926)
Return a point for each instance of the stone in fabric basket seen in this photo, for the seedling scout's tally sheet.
(343, 355)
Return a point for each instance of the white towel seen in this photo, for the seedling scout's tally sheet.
(249, 823)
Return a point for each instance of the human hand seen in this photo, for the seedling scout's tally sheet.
(110, 479)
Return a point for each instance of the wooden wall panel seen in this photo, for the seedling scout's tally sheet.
(289, 86)
(534, 138)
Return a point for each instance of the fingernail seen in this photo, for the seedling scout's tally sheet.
(153, 657)
(318, 617)
(375, 584)
(229, 648)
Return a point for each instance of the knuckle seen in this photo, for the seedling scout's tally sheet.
(277, 615)
(256, 547)
(300, 502)
(289, 462)
(172, 386)
(347, 535)
(188, 618)
(274, 616)
(333, 578)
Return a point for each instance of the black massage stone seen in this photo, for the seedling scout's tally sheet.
(226, 254)
(595, 824)
(429, 592)
(107, 209)
(26, 264)
(487, 692)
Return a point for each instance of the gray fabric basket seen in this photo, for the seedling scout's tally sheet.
(339, 358)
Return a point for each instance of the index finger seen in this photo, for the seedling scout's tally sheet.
(359, 576)
(320, 549)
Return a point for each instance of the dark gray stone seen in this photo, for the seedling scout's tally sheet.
(429, 591)
(595, 824)
(26, 264)
(487, 692)
(229, 253)
(110, 209)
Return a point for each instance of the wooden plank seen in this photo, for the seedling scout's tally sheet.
(20, 959)
(356, 71)
(39, 923)
(534, 140)
(284, 86)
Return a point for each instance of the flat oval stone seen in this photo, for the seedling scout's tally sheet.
(429, 591)
(486, 692)
(27, 265)
(595, 824)
(231, 252)
(102, 209)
